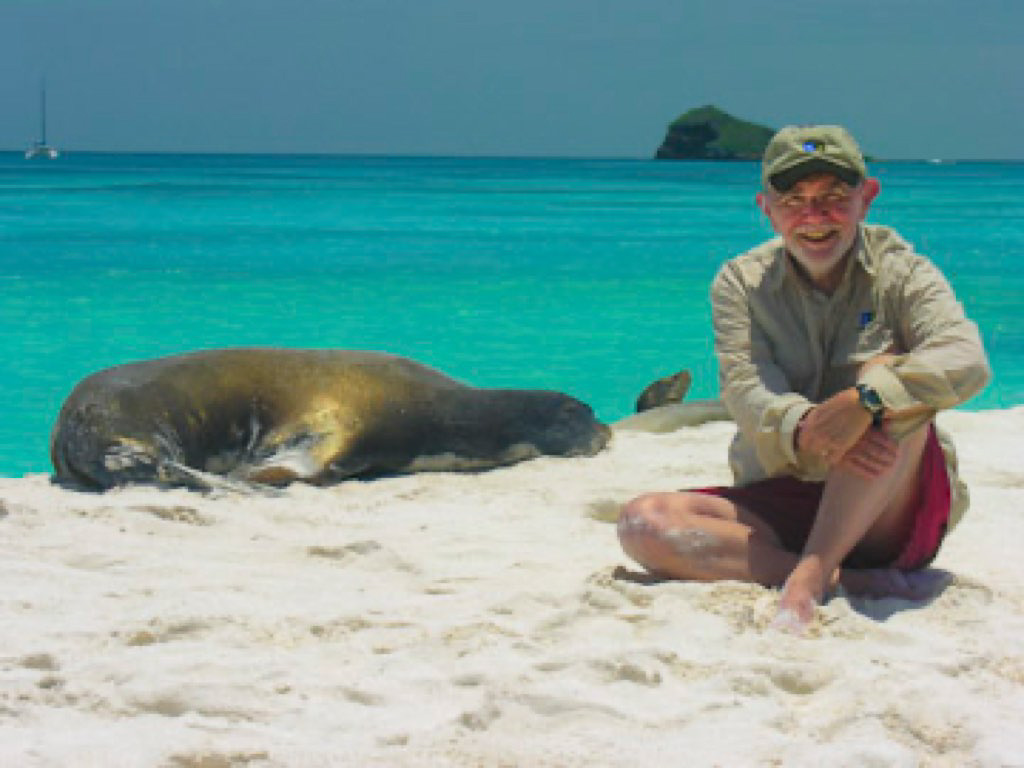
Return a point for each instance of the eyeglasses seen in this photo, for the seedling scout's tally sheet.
(792, 203)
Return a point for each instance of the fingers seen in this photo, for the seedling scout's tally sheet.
(877, 448)
(832, 428)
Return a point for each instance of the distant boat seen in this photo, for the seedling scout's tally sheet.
(41, 148)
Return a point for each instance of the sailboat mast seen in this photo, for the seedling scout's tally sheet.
(41, 148)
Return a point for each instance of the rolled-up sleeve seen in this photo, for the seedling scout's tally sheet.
(754, 388)
(944, 363)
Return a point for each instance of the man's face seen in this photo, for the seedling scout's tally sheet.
(817, 218)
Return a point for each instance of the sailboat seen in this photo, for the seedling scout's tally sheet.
(41, 148)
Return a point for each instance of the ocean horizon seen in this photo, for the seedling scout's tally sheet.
(585, 275)
(65, 152)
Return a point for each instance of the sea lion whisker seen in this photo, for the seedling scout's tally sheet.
(254, 432)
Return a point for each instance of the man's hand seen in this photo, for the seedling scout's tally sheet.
(833, 428)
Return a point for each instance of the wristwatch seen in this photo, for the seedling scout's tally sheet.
(872, 402)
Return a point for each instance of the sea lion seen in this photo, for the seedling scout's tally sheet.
(660, 407)
(271, 416)
(670, 389)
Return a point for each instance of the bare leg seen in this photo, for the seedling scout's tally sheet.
(703, 538)
(872, 516)
(706, 538)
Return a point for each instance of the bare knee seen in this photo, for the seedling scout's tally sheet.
(658, 528)
(644, 516)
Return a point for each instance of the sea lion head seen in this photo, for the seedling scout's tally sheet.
(89, 451)
(552, 423)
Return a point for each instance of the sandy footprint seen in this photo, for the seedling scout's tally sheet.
(159, 631)
(922, 724)
(527, 605)
(638, 671)
(480, 718)
(552, 706)
(43, 662)
(1009, 668)
(448, 586)
(745, 607)
(93, 561)
(176, 513)
(687, 670)
(201, 759)
(101, 512)
(606, 590)
(799, 679)
(358, 551)
(380, 636)
(362, 697)
(13, 510)
(965, 590)
(205, 700)
(344, 552)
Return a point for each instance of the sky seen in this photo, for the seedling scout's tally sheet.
(593, 78)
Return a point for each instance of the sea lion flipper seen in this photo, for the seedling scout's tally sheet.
(180, 474)
(297, 452)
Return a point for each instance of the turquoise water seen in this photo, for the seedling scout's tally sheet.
(587, 276)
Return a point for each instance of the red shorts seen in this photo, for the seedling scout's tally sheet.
(790, 506)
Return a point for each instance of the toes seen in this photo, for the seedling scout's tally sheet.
(790, 621)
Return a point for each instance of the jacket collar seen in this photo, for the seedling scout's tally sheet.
(782, 265)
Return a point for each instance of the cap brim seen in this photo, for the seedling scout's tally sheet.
(783, 181)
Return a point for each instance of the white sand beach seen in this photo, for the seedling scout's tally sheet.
(486, 620)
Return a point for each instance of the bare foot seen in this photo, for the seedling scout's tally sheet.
(787, 620)
(801, 593)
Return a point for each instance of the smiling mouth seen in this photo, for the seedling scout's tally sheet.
(819, 236)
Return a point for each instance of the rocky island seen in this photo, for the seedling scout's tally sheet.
(708, 133)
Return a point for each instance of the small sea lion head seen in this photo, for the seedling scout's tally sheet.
(664, 391)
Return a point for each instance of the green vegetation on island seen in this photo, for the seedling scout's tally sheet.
(708, 133)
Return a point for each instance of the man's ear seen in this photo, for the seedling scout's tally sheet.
(762, 202)
(869, 191)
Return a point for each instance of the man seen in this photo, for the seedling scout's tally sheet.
(836, 345)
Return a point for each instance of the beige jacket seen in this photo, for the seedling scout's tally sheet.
(782, 346)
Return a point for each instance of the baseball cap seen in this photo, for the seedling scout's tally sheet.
(798, 151)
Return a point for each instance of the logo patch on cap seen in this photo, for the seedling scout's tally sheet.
(811, 146)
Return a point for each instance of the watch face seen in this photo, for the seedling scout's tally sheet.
(870, 399)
